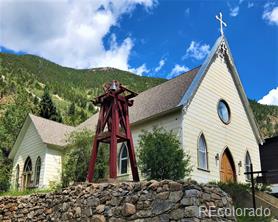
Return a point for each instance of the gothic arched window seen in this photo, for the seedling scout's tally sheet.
(37, 171)
(248, 165)
(123, 160)
(17, 176)
(27, 173)
(202, 153)
(28, 165)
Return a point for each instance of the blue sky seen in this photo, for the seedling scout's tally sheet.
(148, 37)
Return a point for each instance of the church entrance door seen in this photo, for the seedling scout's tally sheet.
(227, 171)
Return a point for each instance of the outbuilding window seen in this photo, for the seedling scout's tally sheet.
(27, 173)
(17, 176)
(37, 171)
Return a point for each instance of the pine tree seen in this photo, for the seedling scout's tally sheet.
(48, 109)
(71, 110)
(83, 116)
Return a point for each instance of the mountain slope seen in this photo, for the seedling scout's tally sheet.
(267, 118)
(66, 85)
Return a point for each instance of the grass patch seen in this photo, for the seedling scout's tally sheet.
(240, 193)
(254, 219)
(24, 192)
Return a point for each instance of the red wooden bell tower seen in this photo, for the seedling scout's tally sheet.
(113, 127)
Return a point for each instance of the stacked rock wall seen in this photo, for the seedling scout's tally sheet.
(144, 201)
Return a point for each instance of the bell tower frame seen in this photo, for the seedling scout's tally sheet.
(113, 127)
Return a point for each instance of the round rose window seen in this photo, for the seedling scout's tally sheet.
(224, 111)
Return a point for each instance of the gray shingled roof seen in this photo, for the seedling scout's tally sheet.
(151, 102)
(159, 99)
(51, 132)
(89, 124)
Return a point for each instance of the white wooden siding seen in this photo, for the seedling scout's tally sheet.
(53, 166)
(32, 146)
(171, 121)
(202, 116)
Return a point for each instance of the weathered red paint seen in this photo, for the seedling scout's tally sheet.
(114, 114)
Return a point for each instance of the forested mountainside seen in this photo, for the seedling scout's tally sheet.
(66, 85)
(24, 77)
(267, 118)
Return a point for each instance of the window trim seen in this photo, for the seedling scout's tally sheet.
(247, 176)
(28, 159)
(123, 146)
(229, 111)
(17, 173)
(206, 153)
(36, 176)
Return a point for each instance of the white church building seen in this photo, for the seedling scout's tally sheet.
(206, 107)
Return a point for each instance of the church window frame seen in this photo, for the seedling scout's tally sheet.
(27, 165)
(202, 152)
(123, 160)
(27, 173)
(37, 171)
(17, 171)
(221, 113)
(247, 165)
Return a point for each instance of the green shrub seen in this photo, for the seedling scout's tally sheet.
(240, 193)
(77, 157)
(161, 156)
(54, 185)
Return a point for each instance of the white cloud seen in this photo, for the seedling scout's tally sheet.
(70, 33)
(161, 64)
(140, 70)
(271, 98)
(250, 5)
(270, 13)
(234, 11)
(197, 50)
(187, 12)
(177, 70)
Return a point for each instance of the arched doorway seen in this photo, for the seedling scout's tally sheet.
(27, 173)
(227, 170)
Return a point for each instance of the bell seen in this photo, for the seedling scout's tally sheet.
(113, 86)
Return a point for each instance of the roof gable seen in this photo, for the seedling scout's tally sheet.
(221, 49)
(52, 132)
(20, 137)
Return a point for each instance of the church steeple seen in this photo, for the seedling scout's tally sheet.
(219, 18)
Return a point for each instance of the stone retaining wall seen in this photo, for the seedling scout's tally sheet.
(144, 201)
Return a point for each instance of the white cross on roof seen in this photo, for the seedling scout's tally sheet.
(221, 23)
